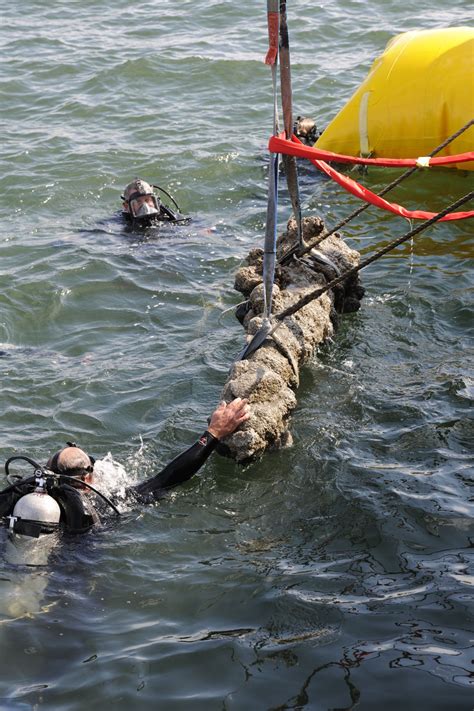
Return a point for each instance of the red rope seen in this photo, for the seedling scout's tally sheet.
(355, 188)
(294, 147)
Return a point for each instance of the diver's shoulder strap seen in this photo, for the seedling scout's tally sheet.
(76, 515)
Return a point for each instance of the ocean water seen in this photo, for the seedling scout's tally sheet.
(334, 575)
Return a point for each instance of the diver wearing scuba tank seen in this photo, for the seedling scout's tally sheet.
(57, 488)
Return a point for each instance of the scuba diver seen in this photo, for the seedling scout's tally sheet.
(57, 496)
(306, 130)
(142, 207)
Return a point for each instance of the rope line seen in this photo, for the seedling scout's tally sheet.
(353, 187)
(289, 162)
(294, 147)
(269, 258)
(286, 257)
(316, 293)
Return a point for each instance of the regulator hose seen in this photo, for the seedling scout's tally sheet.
(168, 195)
(49, 476)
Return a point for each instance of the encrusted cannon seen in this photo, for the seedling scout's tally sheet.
(270, 375)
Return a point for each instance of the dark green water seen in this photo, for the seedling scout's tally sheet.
(334, 574)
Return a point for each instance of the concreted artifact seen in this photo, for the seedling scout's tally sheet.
(269, 376)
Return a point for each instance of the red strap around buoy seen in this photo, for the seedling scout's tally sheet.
(278, 144)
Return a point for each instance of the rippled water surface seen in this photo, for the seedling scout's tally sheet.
(333, 575)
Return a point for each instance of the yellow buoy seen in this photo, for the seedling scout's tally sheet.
(417, 93)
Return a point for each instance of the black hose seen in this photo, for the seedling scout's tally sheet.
(13, 486)
(89, 486)
(25, 458)
(49, 475)
(168, 195)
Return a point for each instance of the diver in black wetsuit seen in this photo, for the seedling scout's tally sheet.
(56, 496)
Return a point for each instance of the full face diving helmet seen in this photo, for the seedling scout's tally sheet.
(139, 201)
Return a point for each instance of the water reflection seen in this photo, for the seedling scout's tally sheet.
(24, 576)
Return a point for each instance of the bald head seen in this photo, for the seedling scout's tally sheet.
(72, 461)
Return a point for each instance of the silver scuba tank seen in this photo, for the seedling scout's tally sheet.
(38, 506)
(35, 513)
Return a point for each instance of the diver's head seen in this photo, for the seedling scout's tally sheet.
(72, 461)
(306, 130)
(140, 203)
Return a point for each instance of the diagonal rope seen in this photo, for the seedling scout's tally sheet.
(316, 293)
(257, 340)
(285, 257)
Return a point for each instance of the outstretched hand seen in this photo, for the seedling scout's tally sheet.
(227, 417)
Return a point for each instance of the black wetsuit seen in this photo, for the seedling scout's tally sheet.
(182, 468)
(79, 514)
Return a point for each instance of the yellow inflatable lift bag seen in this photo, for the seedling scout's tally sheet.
(418, 93)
